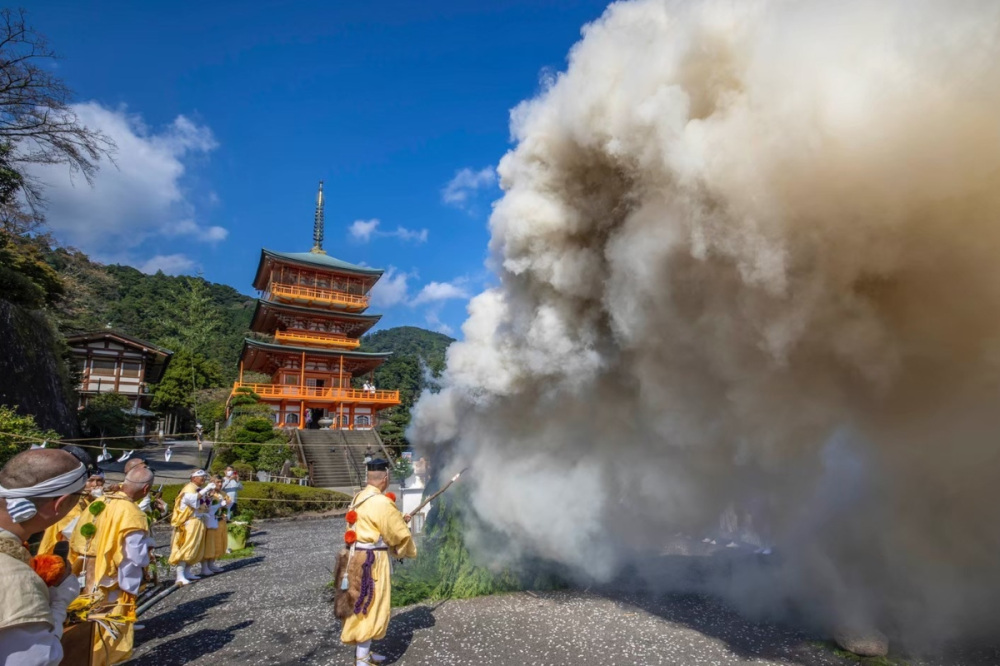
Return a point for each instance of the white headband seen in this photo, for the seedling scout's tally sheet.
(21, 508)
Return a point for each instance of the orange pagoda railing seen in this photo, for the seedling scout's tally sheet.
(294, 292)
(320, 393)
(301, 337)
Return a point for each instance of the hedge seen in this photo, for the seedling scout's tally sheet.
(316, 499)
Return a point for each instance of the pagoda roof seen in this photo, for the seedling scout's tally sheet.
(311, 260)
(262, 319)
(255, 354)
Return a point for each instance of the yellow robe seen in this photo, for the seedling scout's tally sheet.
(53, 534)
(378, 517)
(120, 518)
(188, 543)
(80, 546)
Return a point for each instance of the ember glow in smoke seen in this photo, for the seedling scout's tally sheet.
(749, 256)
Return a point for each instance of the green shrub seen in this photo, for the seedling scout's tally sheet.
(250, 499)
(299, 472)
(273, 455)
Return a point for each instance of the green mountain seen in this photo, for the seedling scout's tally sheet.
(172, 311)
(417, 354)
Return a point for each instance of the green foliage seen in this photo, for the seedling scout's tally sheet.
(242, 396)
(254, 492)
(445, 569)
(402, 470)
(272, 457)
(166, 310)
(187, 373)
(14, 426)
(107, 415)
(299, 472)
(254, 430)
(238, 530)
(25, 278)
(240, 554)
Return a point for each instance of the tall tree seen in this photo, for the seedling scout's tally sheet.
(193, 318)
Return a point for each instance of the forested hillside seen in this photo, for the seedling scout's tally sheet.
(416, 354)
(173, 311)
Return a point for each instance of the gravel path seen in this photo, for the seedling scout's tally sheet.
(272, 609)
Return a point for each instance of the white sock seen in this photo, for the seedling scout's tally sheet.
(362, 650)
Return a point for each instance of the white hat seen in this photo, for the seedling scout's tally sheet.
(200, 472)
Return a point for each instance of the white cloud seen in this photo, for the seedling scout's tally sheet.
(391, 289)
(434, 321)
(402, 233)
(171, 264)
(440, 291)
(141, 195)
(460, 191)
(363, 230)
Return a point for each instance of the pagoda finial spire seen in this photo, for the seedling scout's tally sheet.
(318, 223)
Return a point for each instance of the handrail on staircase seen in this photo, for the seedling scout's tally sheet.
(360, 473)
(302, 457)
(381, 445)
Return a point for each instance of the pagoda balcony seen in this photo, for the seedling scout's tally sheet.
(294, 293)
(311, 338)
(314, 394)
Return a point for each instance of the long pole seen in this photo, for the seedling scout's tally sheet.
(435, 495)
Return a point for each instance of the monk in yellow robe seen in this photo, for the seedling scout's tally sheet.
(63, 530)
(123, 552)
(83, 548)
(188, 520)
(215, 529)
(382, 533)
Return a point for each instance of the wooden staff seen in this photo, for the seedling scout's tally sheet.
(430, 499)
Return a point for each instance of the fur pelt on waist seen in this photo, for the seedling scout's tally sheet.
(344, 600)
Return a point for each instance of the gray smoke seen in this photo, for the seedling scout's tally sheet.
(749, 256)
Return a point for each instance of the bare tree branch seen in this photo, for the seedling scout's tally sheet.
(37, 123)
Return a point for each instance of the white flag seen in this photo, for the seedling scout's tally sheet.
(126, 456)
(167, 454)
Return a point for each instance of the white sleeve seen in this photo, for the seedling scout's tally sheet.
(61, 596)
(32, 644)
(135, 558)
(191, 500)
(145, 504)
(67, 531)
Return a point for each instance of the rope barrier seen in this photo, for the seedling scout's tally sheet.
(24, 439)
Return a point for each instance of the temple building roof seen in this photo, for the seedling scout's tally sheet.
(313, 260)
(267, 316)
(258, 356)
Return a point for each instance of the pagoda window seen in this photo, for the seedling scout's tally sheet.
(292, 419)
(362, 421)
(291, 379)
(323, 283)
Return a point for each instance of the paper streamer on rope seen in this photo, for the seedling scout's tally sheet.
(125, 456)
(168, 454)
(104, 454)
(39, 446)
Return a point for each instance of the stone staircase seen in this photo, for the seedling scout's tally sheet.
(336, 458)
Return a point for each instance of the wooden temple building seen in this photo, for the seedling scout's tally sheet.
(314, 308)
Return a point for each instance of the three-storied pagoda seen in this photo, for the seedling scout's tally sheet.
(314, 306)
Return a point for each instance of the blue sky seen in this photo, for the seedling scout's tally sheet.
(228, 114)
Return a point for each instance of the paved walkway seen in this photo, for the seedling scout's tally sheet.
(185, 458)
(273, 609)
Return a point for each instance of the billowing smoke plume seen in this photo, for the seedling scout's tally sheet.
(749, 256)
